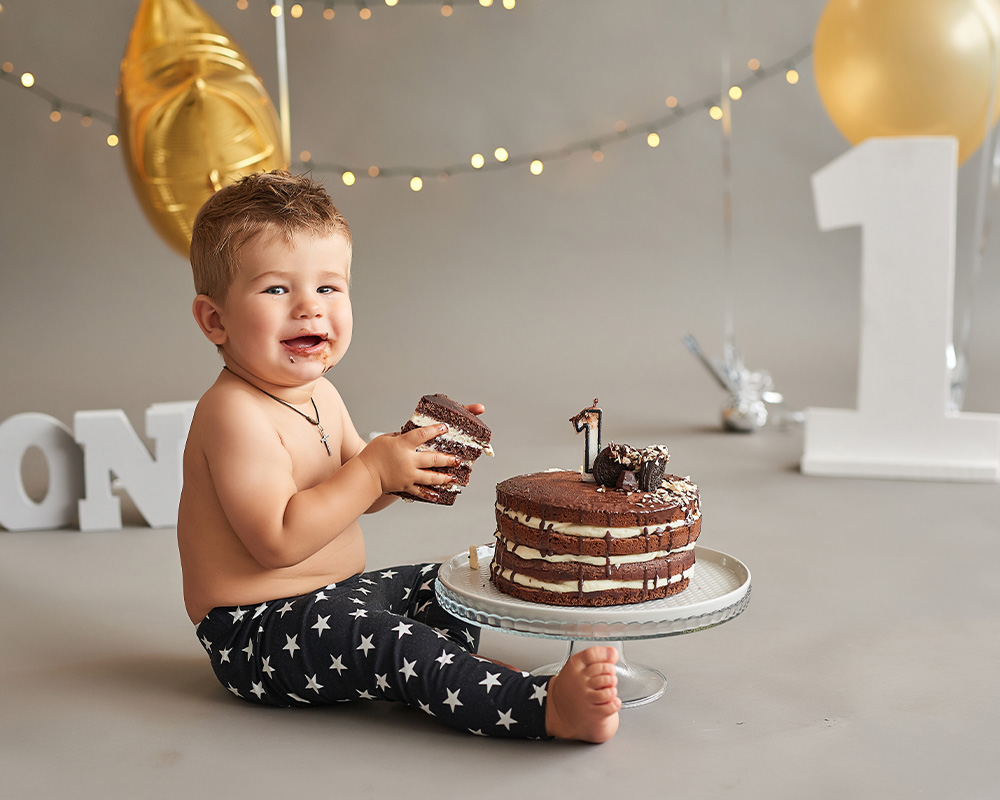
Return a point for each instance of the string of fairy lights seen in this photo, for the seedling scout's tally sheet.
(479, 161)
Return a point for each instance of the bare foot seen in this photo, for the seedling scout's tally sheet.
(583, 699)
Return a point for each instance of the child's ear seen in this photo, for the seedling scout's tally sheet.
(206, 314)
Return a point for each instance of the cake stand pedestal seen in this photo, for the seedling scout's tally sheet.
(719, 590)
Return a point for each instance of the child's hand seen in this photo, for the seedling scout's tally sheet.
(476, 408)
(395, 463)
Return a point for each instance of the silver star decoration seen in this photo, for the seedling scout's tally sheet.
(388, 574)
(249, 649)
(444, 658)
(403, 629)
(540, 693)
(337, 664)
(238, 614)
(453, 700)
(507, 718)
(407, 671)
(229, 686)
(381, 682)
(297, 698)
(312, 683)
(224, 655)
(425, 707)
(291, 644)
(360, 612)
(322, 596)
(265, 667)
(366, 644)
(364, 695)
(258, 689)
(321, 625)
(259, 610)
(285, 608)
(492, 679)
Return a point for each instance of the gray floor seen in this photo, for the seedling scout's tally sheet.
(865, 666)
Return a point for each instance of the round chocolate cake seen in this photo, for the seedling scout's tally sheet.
(565, 541)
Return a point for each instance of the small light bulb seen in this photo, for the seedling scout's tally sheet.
(373, 171)
(364, 12)
(242, 5)
(536, 167)
(653, 140)
(391, 3)
(792, 76)
(671, 102)
(754, 64)
(348, 178)
(305, 156)
(500, 154)
(275, 10)
(620, 126)
(27, 80)
(296, 11)
(85, 120)
(112, 140)
(509, 4)
(416, 184)
(597, 155)
(55, 115)
(329, 13)
(735, 92)
(446, 10)
(485, 3)
(477, 161)
(7, 67)
(715, 112)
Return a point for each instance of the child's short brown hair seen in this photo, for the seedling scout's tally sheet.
(265, 201)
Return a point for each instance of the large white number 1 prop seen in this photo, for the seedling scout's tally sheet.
(902, 192)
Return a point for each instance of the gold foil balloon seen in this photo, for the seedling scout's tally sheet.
(193, 114)
(909, 67)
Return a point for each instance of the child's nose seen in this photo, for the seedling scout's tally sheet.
(307, 307)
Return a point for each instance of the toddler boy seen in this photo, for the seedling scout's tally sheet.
(276, 478)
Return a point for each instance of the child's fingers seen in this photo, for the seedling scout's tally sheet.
(429, 459)
(428, 477)
(476, 408)
(419, 436)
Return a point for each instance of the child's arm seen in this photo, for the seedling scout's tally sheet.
(280, 525)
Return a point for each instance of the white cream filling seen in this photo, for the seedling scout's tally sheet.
(452, 435)
(590, 586)
(594, 531)
(531, 554)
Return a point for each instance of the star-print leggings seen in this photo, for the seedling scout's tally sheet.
(380, 635)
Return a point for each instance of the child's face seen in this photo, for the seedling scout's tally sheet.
(287, 318)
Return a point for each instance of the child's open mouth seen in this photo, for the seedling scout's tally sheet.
(305, 344)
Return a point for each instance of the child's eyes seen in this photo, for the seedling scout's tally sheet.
(327, 289)
(275, 290)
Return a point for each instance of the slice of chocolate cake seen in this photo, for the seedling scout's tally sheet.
(467, 437)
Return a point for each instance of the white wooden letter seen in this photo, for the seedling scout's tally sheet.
(902, 192)
(18, 512)
(111, 446)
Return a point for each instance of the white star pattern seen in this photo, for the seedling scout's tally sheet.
(388, 574)
(265, 667)
(358, 612)
(366, 644)
(259, 610)
(312, 683)
(296, 697)
(471, 639)
(426, 585)
(453, 700)
(476, 732)
(285, 608)
(426, 568)
(507, 718)
(369, 581)
(444, 658)
(249, 649)
(206, 644)
(407, 671)
(492, 679)
(381, 682)
(258, 689)
(337, 664)
(363, 695)
(357, 601)
(322, 596)
(364, 591)
(224, 655)
(539, 694)
(238, 614)
(229, 686)
(291, 644)
(402, 629)
(425, 707)
(330, 586)
(322, 624)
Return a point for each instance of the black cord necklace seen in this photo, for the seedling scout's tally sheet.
(323, 436)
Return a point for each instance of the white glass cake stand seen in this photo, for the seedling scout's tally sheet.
(719, 590)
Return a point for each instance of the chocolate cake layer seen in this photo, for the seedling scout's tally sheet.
(549, 541)
(443, 408)
(564, 497)
(576, 573)
(607, 597)
(436, 497)
(467, 452)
